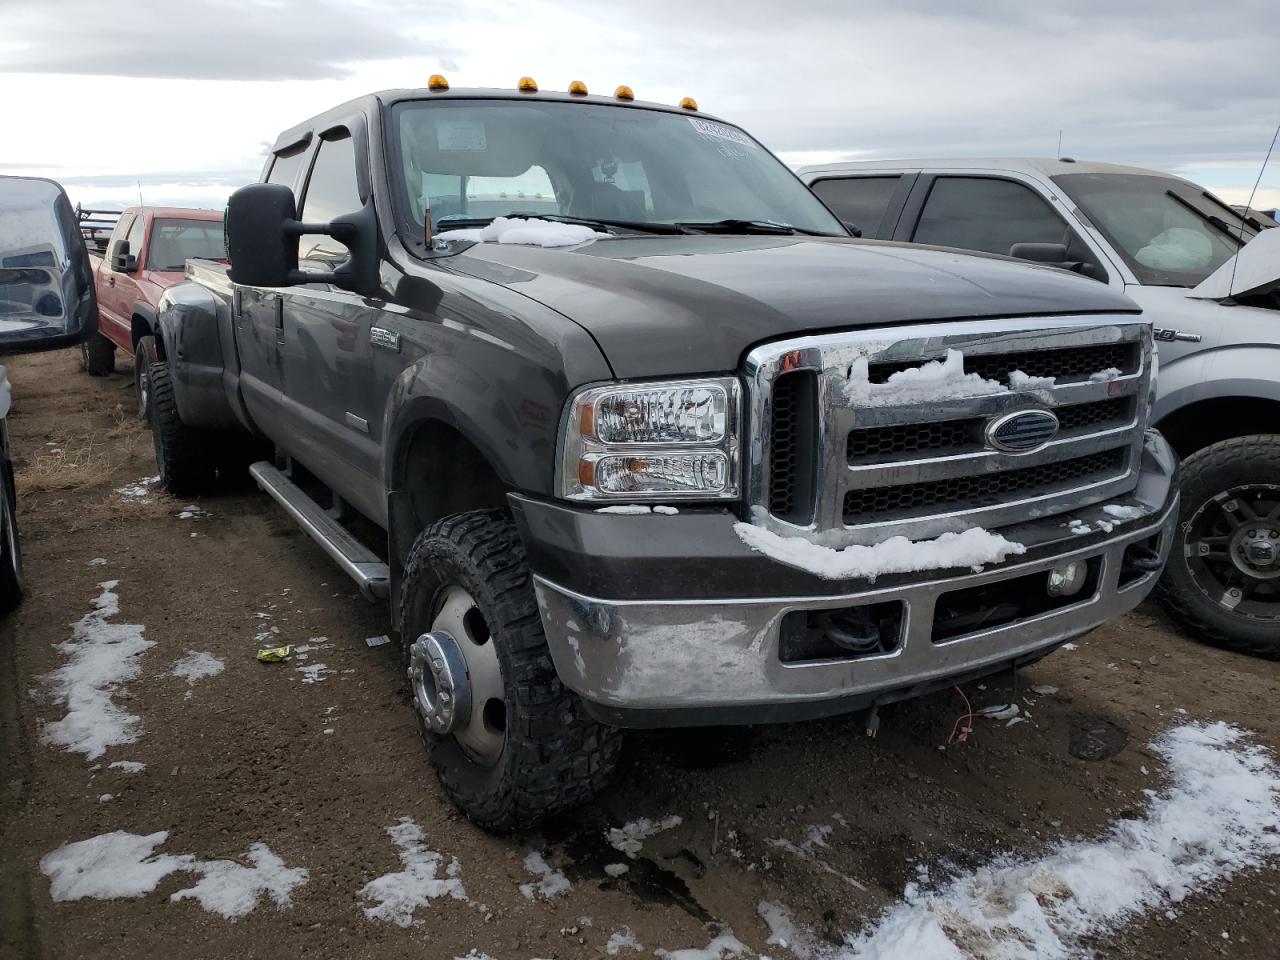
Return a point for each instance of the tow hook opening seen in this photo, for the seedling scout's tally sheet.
(846, 633)
(1140, 558)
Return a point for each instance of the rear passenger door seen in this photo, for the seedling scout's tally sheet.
(872, 202)
(990, 214)
(260, 322)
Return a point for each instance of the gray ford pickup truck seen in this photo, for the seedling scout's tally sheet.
(631, 432)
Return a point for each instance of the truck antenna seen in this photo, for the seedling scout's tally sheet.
(140, 203)
(1249, 206)
(1059, 153)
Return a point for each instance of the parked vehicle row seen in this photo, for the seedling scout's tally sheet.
(679, 451)
(1208, 277)
(629, 429)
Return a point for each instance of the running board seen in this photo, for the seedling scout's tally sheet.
(358, 562)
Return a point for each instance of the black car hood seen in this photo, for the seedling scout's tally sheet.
(666, 306)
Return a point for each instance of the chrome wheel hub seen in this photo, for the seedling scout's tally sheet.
(438, 675)
(474, 712)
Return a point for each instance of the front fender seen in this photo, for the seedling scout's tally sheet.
(1238, 370)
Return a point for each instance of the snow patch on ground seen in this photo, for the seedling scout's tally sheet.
(398, 895)
(128, 766)
(530, 232)
(121, 864)
(139, 489)
(97, 562)
(550, 883)
(723, 946)
(929, 382)
(616, 870)
(784, 933)
(102, 657)
(630, 837)
(974, 548)
(197, 665)
(1219, 815)
(623, 939)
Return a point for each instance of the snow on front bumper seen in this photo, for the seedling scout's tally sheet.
(648, 649)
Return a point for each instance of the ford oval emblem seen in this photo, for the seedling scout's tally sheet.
(1023, 431)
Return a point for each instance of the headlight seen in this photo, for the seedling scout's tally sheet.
(652, 441)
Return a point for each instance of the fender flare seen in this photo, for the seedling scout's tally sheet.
(146, 313)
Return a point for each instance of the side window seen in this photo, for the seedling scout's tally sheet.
(987, 214)
(286, 167)
(860, 201)
(331, 192)
(134, 236)
(119, 233)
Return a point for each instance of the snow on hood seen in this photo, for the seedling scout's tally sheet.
(535, 233)
(1256, 266)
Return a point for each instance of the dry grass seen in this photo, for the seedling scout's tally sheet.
(84, 461)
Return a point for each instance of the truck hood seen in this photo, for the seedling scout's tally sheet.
(668, 306)
(1254, 269)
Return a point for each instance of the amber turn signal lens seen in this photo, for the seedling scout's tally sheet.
(688, 103)
(624, 93)
(586, 473)
(577, 88)
(437, 82)
(527, 85)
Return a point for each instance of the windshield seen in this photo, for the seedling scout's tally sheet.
(174, 242)
(1170, 232)
(478, 159)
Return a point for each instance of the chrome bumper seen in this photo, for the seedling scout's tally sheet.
(664, 662)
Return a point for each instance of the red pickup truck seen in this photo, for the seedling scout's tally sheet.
(146, 254)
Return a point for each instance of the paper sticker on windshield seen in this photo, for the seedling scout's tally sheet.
(460, 136)
(711, 130)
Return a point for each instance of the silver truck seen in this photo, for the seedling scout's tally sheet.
(1208, 276)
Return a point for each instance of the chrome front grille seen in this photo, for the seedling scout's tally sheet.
(840, 472)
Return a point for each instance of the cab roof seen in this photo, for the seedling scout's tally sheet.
(1046, 167)
(175, 213)
(302, 132)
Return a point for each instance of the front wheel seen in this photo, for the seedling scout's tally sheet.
(1223, 576)
(143, 357)
(510, 743)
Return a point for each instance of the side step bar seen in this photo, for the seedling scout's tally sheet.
(359, 562)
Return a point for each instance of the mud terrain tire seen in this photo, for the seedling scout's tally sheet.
(553, 755)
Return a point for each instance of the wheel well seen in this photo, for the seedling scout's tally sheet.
(139, 328)
(443, 473)
(1198, 425)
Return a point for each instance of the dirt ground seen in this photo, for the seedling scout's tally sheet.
(319, 771)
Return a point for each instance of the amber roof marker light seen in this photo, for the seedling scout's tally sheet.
(688, 103)
(624, 93)
(527, 85)
(577, 88)
(438, 83)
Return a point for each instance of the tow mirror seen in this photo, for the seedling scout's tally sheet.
(47, 300)
(262, 241)
(122, 261)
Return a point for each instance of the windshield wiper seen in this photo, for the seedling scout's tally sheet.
(736, 225)
(639, 226)
(1212, 219)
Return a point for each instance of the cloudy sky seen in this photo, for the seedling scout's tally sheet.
(179, 100)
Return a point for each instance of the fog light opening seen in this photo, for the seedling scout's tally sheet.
(1067, 579)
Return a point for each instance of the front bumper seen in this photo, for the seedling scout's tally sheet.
(659, 620)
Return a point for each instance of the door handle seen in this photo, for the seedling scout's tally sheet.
(111, 281)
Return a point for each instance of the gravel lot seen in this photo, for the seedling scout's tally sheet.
(319, 762)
